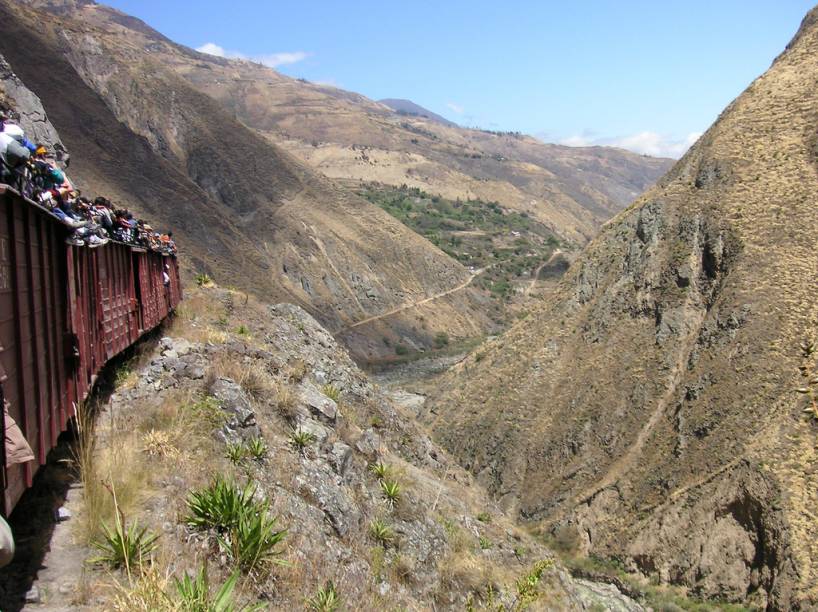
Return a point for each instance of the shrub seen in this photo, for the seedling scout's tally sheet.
(326, 599)
(122, 547)
(381, 532)
(257, 448)
(252, 542)
(221, 505)
(391, 491)
(380, 470)
(242, 330)
(441, 340)
(235, 452)
(484, 517)
(527, 586)
(401, 349)
(332, 392)
(247, 532)
(485, 543)
(301, 439)
(194, 594)
(203, 280)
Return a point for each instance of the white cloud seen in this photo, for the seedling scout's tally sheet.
(273, 60)
(455, 108)
(646, 143)
(212, 49)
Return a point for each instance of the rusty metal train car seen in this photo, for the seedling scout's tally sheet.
(64, 312)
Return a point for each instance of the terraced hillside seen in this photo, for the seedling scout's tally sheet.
(647, 412)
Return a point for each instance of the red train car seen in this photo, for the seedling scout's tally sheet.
(64, 312)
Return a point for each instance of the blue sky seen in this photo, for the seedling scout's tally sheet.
(646, 75)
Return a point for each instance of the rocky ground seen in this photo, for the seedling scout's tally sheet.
(230, 371)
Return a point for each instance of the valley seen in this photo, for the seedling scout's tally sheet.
(445, 367)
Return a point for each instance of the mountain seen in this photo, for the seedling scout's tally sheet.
(647, 411)
(572, 190)
(409, 108)
(243, 209)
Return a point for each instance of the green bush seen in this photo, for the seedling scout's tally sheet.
(441, 340)
(221, 505)
(194, 594)
(301, 439)
(401, 349)
(326, 599)
(247, 532)
(121, 547)
(331, 391)
(381, 532)
(391, 491)
(252, 543)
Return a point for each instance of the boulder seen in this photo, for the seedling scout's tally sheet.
(318, 404)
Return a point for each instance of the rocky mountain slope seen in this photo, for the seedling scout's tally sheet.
(243, 209)
(347, 136)
(194, 404)
(647, 412)
(350, 138)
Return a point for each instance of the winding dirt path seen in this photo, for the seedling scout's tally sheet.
(536, 276)
(411, 305)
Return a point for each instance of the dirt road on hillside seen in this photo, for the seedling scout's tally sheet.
(405, 307)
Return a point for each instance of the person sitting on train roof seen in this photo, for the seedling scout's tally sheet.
(17, 133)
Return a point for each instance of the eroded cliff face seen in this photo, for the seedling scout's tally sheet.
(648, 407)
(32, 116)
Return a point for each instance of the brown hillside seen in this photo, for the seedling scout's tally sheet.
(243, 209)
(347, 136)
(647, 412)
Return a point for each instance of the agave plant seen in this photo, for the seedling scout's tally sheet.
(124, 547)
(381, 532)
(221, 505)
(326, 599)
(195, 596)
(391, 491)
(380, 470)
(301, 439)
(252, 543)
(257, 448)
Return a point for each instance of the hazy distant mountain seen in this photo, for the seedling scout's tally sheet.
(407, 107)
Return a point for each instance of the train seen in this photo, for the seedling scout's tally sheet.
(65, 311)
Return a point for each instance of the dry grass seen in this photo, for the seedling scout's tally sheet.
(109, 458)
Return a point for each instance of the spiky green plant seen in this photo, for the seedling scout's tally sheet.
(203, 279)
(381, 532)
(252, 543)
(331, 391)
(326, 599)
(221, 505)
(235, 452)
(391, 491)
(380, 470)
(301, 439)
(194, 594)
(123, 547)
(484, 517)
(257, 448)
(242, 330)
(485, 543)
